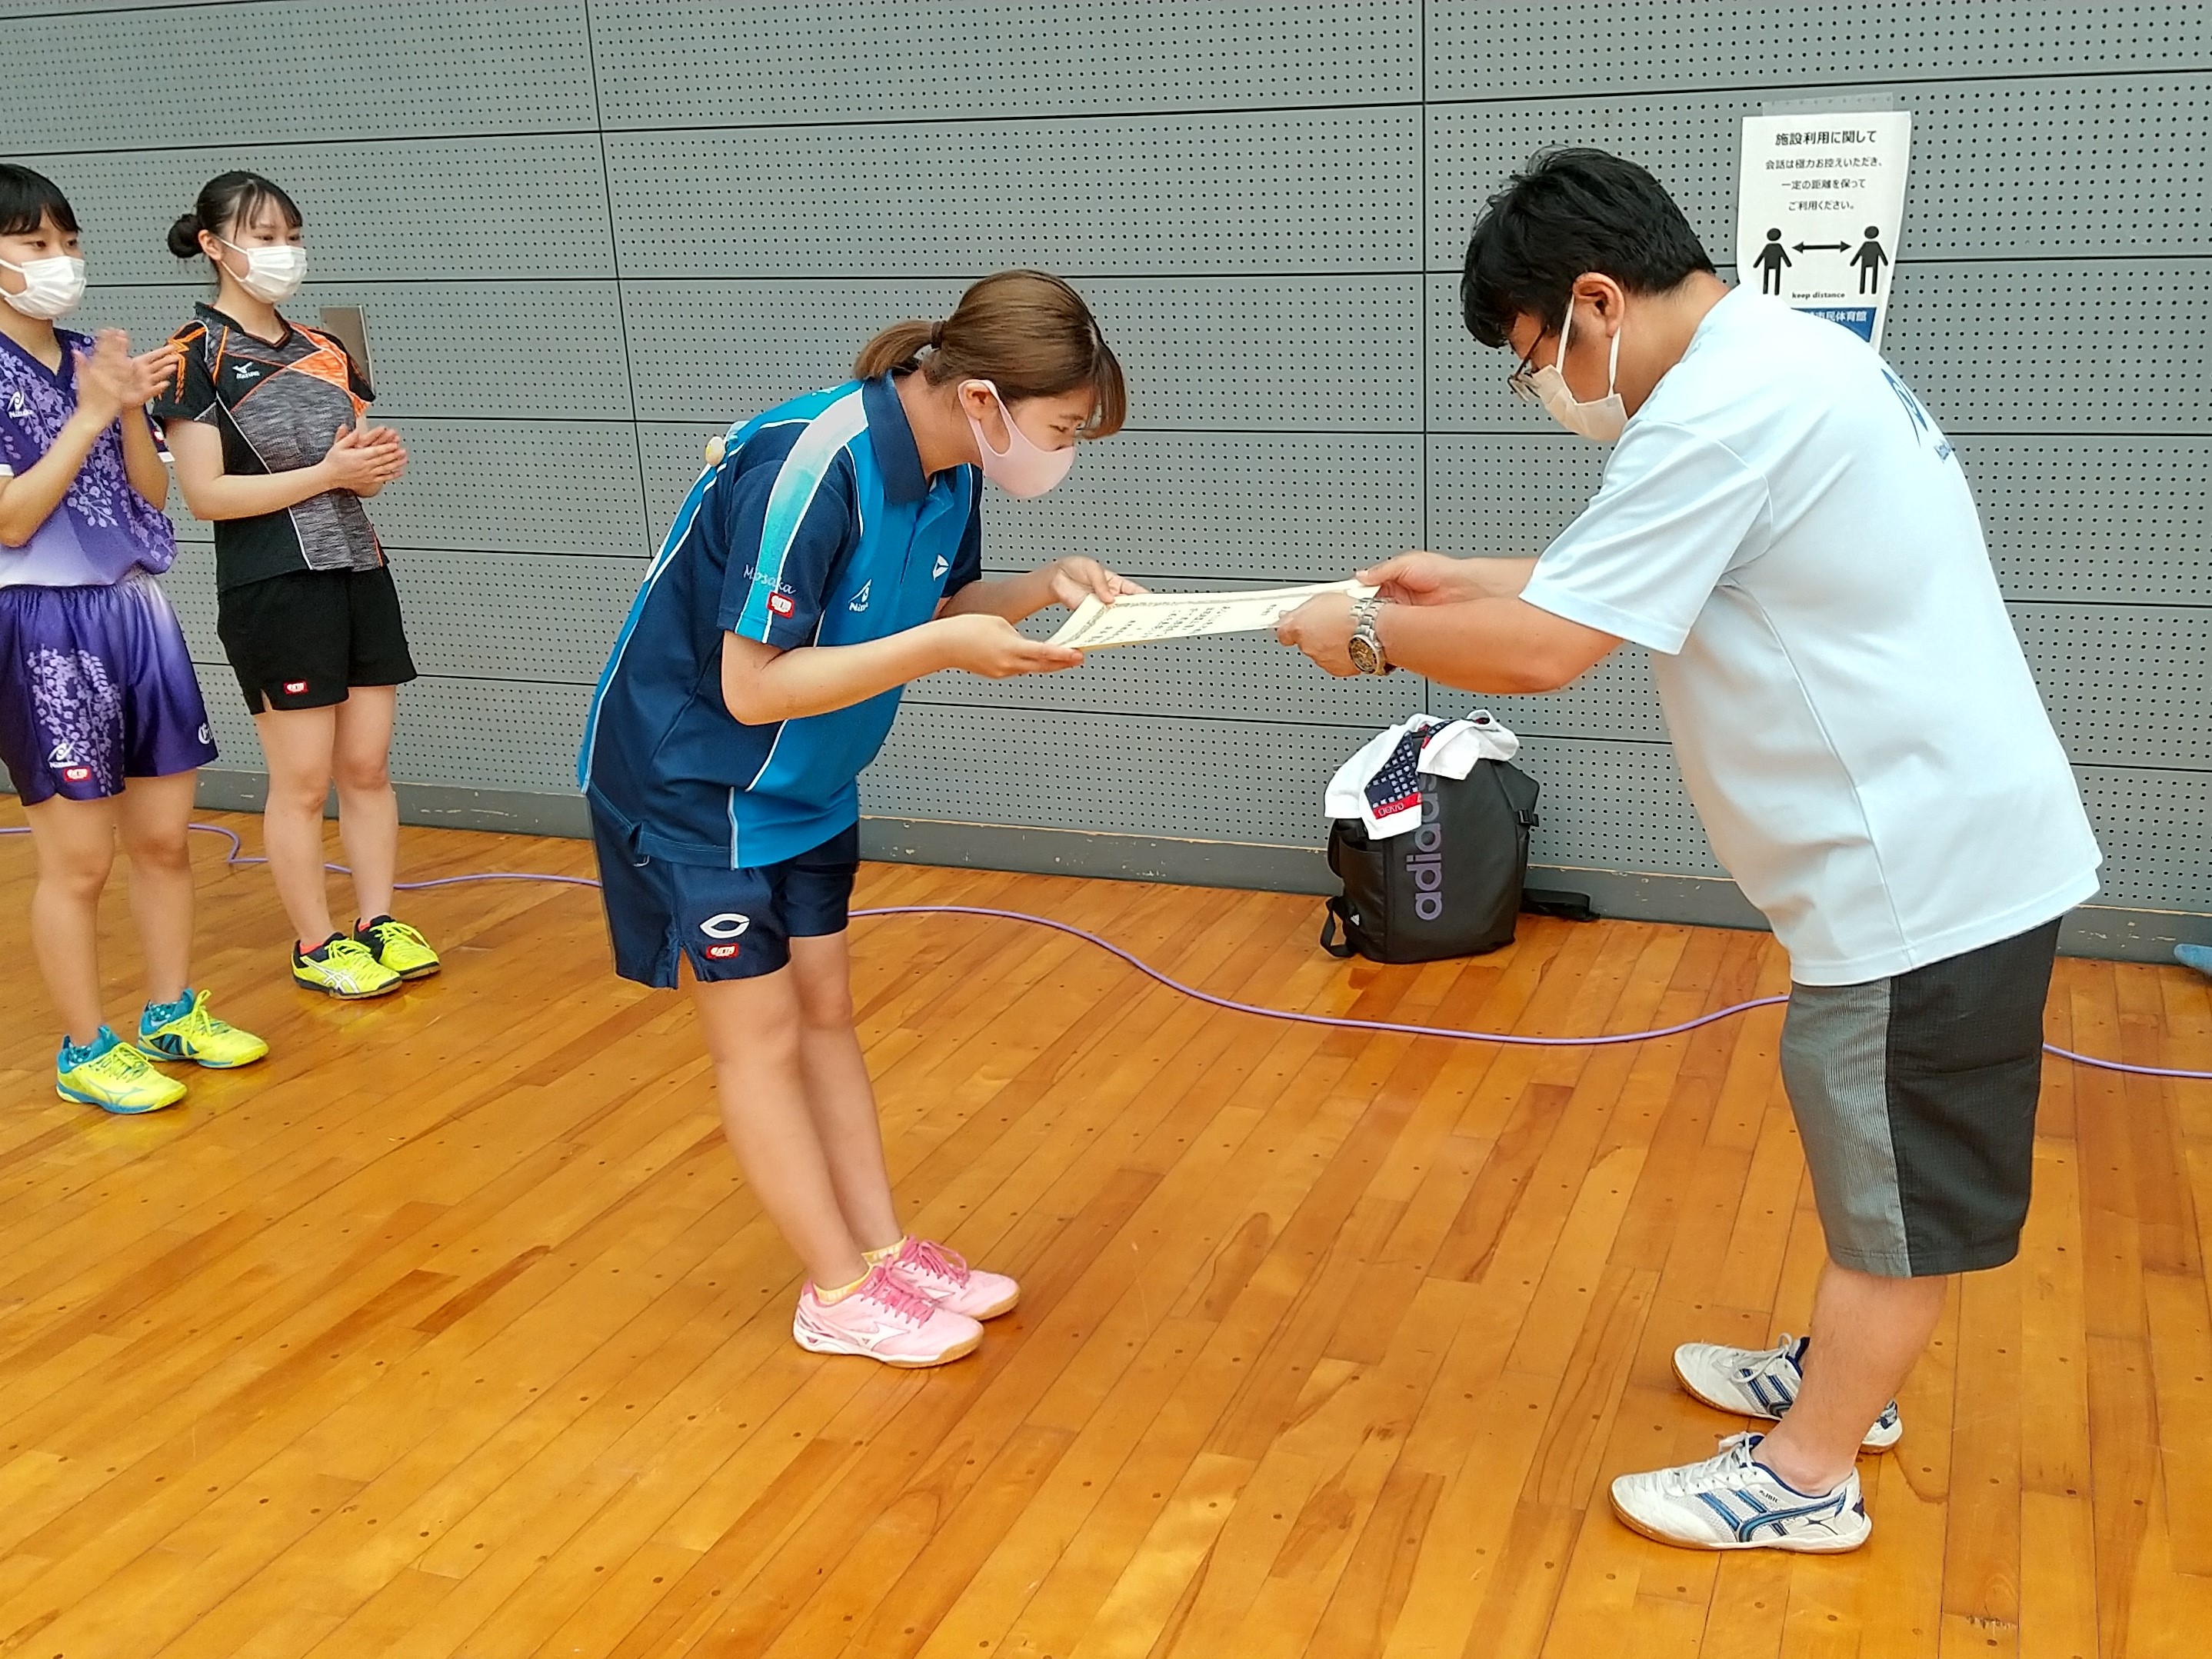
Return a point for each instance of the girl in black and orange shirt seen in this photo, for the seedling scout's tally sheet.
(264, 418)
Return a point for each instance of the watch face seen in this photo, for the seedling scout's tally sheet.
(1362, 652)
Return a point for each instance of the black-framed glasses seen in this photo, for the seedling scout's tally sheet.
(1522, 381)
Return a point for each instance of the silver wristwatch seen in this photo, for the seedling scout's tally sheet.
(1364, 647)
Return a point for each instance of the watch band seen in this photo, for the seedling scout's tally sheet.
(1365, 646)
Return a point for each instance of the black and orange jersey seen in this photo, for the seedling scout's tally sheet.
(279, 407)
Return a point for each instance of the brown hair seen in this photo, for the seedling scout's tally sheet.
(1028, 333)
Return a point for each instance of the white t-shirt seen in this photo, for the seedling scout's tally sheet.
(1786, 529)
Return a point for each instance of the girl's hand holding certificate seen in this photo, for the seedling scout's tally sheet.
(1076, 580)
(990, 646)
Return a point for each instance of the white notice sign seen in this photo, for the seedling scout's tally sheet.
(1138, 618)
(1818, 213)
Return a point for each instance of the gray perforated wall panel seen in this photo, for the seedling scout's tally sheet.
(587, 233)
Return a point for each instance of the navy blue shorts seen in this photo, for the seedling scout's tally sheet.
(733, 924)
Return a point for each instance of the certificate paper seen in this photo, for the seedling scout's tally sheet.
(1135, 618)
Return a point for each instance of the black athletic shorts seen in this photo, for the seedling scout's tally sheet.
(1915, 1099)
(299, 640)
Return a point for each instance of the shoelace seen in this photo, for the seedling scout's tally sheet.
(936, 1260)
(1781, 1351)
(123, 1061)
(349, 959)
(884, 1290)
(1734, 1462)
(200, 1022)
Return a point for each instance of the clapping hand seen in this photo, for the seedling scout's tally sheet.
(109, 379)
(363, 459)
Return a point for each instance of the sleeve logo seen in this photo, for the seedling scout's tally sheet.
(780, 604)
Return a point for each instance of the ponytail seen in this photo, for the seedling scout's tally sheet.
(899, 346)
(1029, 334)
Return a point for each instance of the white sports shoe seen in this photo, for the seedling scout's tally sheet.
(1733, 1502)
(1763, 1382)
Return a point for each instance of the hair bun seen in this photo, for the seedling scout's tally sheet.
(185, 236)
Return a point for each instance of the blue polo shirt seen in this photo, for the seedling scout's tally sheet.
(817, 527)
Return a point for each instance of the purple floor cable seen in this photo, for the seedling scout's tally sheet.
(238, 856)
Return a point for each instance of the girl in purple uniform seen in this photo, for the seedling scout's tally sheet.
(101, 726)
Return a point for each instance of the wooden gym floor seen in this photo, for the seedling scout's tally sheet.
(450, 1330)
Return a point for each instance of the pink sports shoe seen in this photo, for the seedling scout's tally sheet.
(947, 1280)
(886, 1320)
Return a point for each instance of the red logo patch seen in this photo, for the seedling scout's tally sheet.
(293, 688)
(77, 774)
(779, 603)
(721, 952)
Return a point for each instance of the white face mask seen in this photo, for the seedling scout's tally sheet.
(51, 288)
(273, 274)
(1602, 419)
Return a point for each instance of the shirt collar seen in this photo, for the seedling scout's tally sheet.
(208, 311)
(64, 376)
(897, 458)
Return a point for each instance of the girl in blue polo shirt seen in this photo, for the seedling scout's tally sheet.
(830, 555)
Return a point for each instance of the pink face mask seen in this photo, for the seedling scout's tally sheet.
(1021, 467)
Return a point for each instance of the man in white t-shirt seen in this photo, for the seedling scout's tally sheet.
(1788, 532)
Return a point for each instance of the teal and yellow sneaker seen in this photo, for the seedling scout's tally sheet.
(343, 968)
(398, 946)
(185, 1030)
(109, 1073)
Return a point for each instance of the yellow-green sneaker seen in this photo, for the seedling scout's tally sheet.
(399, 947)
(196, 1035)
(343, 967)
(109, 1073)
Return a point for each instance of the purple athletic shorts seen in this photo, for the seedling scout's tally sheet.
(96, 686)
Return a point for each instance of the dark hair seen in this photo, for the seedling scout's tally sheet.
(225, 200)
(1574, 212)
(1029, 334)
(28, 199)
